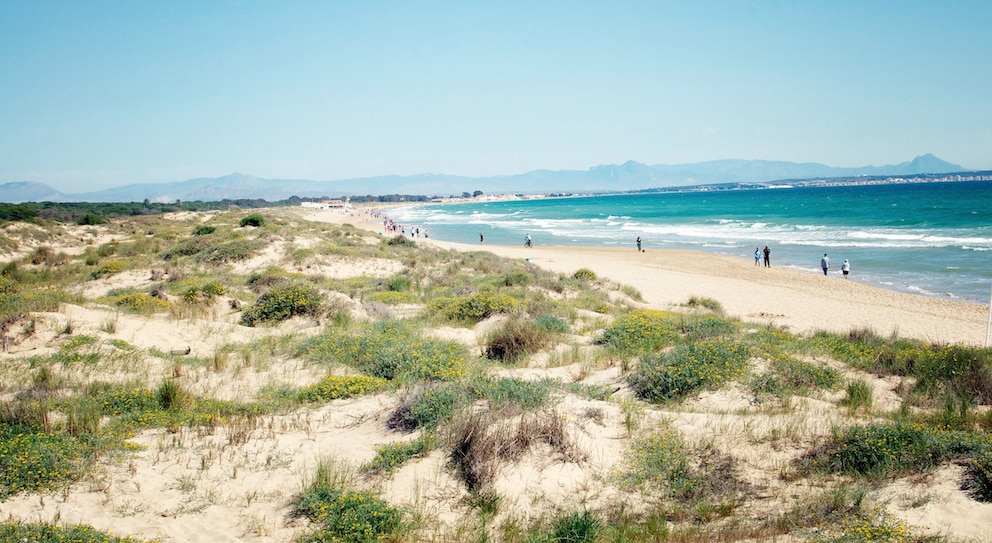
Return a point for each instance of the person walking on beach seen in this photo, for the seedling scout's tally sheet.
(845, 268)
(527, 242)
(638, 244)
(482, 238)
(825, 263)
(757, 256)
(768, 257)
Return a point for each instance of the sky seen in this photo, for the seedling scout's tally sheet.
(101, 93)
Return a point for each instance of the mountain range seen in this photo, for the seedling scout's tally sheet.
(604, 178)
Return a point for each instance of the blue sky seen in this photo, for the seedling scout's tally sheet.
(96, 93)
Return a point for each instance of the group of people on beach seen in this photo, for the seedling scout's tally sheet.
(765, 255)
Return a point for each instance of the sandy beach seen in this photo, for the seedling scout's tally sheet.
(233, 483)
(798, 301)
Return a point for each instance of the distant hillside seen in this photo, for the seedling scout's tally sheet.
(604, 178)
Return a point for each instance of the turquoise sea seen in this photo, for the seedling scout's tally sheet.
(933, 239)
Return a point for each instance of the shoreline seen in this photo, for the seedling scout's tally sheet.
(795, 300)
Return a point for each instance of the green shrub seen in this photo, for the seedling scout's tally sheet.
(400, 283)
(516, 278)
(659, 459)
(255, 219)
(516, 338)
(527, 395)
(109, 268)
(978, 476)
(860, 395)
(282, 302)
(140, 302)
(91, 219)
(642, 330)
(43, 532)
(204, 229)
(333, 387)
(390, 297)
(552, 324)
(273, 275)
(390, 456)
(344, 516)
(33, 460)
(472, 308)
(187, 247)
(430, 407)
(584, 274)
(707, 303)
(115, 400)
(390, 349)
(884, 450)
(804, 376)
(172, 395)
(400, 241)
(576, 528)
(231, 251)
(195, 293)
(688, 369)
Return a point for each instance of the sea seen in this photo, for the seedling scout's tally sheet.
(932, 239)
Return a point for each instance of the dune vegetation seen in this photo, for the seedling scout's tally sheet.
(257, 376)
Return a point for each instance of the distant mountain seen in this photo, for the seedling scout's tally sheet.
(604, 178)
(29, 191)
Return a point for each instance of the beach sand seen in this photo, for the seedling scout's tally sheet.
(798, 301)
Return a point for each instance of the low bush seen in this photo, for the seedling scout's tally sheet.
(282, 302)
(333, 387)
(641, 330)
(804, 376)
(687, 369)
(659, 459)
(340, 514)
(552, 324)
(187, 247)
(472, 308)
(231, 251)
(109, 268)
(516, 338)
(140, 302)
(576, 528)
(43, 532)
(254, 219)
(204, 230)
(46, 256)
(480, 443)
(878, 451)
(429, 407)
(400, 283)
(390, 456)
(390, 349)
(91, 219)
(978, 476)
(524, 394)
(196, 293)
(860, 395)
(33, 460)
(584, 274)
(390, 297)
(706, 303)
